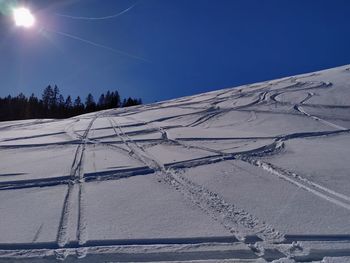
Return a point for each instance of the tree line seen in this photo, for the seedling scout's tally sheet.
(53, 104)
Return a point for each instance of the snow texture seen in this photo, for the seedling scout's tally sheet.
(256, 173)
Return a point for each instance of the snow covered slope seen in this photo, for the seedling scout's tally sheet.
(256, 173)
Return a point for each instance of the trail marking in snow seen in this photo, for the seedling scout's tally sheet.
(316, 189)
(76, 176)
(301, 110)
(236, 221)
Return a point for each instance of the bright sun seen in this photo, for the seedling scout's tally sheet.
(23, 17)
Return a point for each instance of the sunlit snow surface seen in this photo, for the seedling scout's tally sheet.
(258, 173)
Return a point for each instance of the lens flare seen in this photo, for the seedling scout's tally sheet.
(23, 17)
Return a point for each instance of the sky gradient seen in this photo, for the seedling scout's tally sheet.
(162, 49)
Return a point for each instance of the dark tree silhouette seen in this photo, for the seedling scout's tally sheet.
(131, 102)
(101, 102)
(53, 105)
(90, 104)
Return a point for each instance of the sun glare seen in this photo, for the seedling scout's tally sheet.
(23, 17)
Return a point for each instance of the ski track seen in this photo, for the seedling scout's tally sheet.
(312, 187)
(235, 220)
(76, 175)
(301, 110)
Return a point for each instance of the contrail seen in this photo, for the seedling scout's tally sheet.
(98, 45)
(99, 18)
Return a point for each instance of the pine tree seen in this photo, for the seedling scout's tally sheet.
(55, 97)
(68, 107)
(60, 100)
(108, 99)
(60, 107)
(115, 100)
(68, 103)
(77, 102)
(101, 102)
(33, 106)
(78, 106)
(90, 104)
(47, 97)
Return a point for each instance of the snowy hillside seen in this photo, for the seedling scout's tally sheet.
(259, 172)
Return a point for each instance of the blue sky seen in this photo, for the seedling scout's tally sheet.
(176, 47)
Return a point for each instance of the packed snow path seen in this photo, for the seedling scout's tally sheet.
(255, 173)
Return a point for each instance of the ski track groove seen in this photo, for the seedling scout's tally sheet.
(314, 188)
(230, 217)
(76, 175)
(301, 110)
